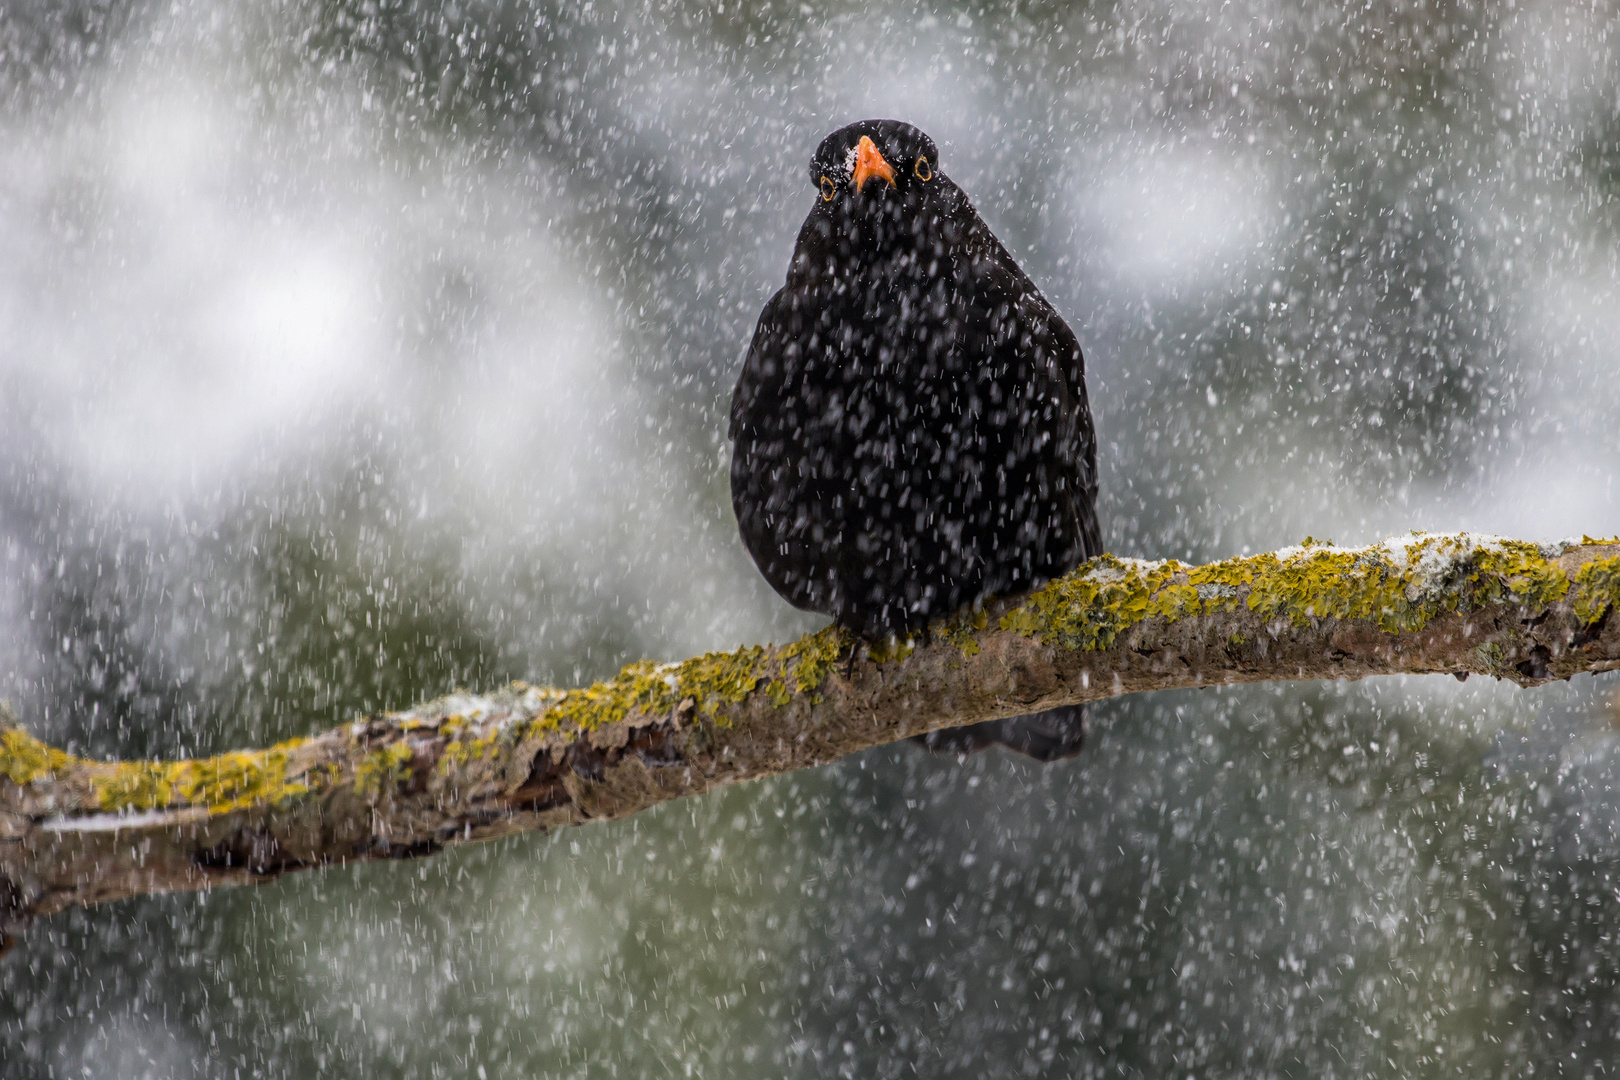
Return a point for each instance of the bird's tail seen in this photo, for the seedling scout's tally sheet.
(1045, 736)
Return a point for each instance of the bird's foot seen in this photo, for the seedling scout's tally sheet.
(849, 651)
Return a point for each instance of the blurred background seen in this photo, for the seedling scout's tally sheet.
(355, 350)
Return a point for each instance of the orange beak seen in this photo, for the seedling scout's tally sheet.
(870, 163)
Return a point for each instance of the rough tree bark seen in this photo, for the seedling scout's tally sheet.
(475, 766)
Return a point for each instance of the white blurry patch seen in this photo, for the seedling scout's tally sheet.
(1570, 338)
(209, 295)
(1554, 469)
(1557, 62)
(1570, 498)
(391, 961)
(923, 77)
(276, 344)
(168, 141)
(130, 1048)
(1171, 218)
(178, 314)
(214, 300)
(282, 330)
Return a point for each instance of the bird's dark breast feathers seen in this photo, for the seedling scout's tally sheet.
(910, 437)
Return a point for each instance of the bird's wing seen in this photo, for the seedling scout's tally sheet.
(762, 378)
(1001, 280)
(780, 504)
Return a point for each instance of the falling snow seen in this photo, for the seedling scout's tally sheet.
(352, 352)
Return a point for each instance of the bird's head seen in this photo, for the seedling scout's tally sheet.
(872, 179)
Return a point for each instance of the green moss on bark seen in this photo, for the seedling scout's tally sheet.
(1598, 587)
(1400, 585)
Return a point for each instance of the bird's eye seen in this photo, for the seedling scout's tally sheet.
(923, 170)
(828, 189)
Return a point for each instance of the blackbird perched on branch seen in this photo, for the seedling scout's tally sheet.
(911, 424)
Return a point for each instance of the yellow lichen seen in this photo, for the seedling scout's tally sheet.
(1217, 584)
(710, 680)
(890, 650)
(714, 679)
(382, 770)
(1091, 607)
(218, 784)
(1400, 587)
(24, 759)
(1516, 571)
(236, 780)
(643, 686)
(961, 629)
(461, 752)
(134, 785)
(1598, 585)
(1330, 584)
(813, 657)
(1175, 602)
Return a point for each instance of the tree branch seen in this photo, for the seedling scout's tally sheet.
(471, 767)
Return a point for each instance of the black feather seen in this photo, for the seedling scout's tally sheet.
(911, 425)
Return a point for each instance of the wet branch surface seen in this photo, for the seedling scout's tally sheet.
(472, 767)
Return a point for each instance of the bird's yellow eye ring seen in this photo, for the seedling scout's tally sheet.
(828, 189)
(922, 169)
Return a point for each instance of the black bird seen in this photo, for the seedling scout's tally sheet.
(911, 424)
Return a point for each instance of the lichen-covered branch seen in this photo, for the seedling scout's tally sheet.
(471, 767)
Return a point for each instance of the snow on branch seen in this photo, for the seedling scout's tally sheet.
(476, 766)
